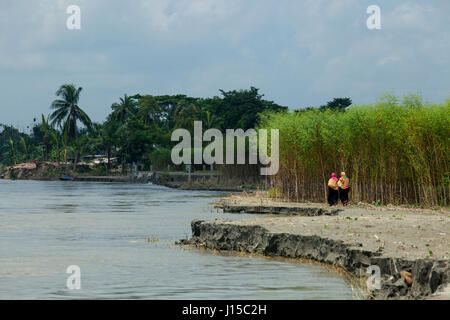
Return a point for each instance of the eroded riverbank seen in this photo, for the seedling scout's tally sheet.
(411, 247)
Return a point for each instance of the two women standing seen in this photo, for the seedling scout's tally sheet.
(338, 189)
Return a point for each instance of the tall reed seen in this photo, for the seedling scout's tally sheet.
(393, 152)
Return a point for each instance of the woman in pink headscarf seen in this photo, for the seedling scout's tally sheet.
(333, 193)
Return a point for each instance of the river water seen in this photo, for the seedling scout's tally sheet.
(122, 238)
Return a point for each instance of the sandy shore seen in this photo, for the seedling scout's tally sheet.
(394, 231)
(401, 240)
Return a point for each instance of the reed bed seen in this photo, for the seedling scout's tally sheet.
(393, 151)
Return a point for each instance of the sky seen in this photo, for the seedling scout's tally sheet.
(298, 53)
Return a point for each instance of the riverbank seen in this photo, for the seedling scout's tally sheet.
(410, 246)
(45, 171)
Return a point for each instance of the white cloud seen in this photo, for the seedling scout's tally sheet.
(299, 53)
(411, 16)
(183, 16)
(388, 59)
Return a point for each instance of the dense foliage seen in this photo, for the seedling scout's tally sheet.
(393, 152)
(138, 129)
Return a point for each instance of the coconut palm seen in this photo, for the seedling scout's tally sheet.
(209, 120)
(55, 139)
(123, 110)
(44, 129)
(13, 151)
(68, 112)
(24, 147)
(64, 140)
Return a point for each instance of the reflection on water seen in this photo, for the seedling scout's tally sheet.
(122, 237)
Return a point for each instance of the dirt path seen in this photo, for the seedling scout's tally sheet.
(394, 231)
(410, 247)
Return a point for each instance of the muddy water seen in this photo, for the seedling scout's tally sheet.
(122, 238)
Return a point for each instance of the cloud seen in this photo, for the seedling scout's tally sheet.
(299, 53)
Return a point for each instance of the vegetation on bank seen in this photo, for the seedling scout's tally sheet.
(393, 151)
(138, 129)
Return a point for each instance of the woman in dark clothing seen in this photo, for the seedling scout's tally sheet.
(333, 188)
(344, 185)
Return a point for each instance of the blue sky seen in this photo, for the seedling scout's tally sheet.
(299, 53)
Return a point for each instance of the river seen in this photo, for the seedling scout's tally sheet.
(122, 238)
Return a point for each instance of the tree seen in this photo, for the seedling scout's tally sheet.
(339, 104)
(135, 140)
(108, 138)
(68, 112)
(185, 113)
(150, 110)
(123, 110)
(24, 146)
(55, 138)
(44, 129)
(13, 151)
(65, 139)
(241, 109)
(209, 120)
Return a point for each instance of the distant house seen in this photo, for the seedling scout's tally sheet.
(97, 159)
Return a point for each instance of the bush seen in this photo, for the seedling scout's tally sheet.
(12, 174)
(273, 193)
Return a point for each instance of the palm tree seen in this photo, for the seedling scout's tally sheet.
(68, 112)
(44, 129)
(185, 113)
(123, 110)
(55, 138)
(13, 151)
(64, 142)
(150, 111)
(25, 148)
(209, 120)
